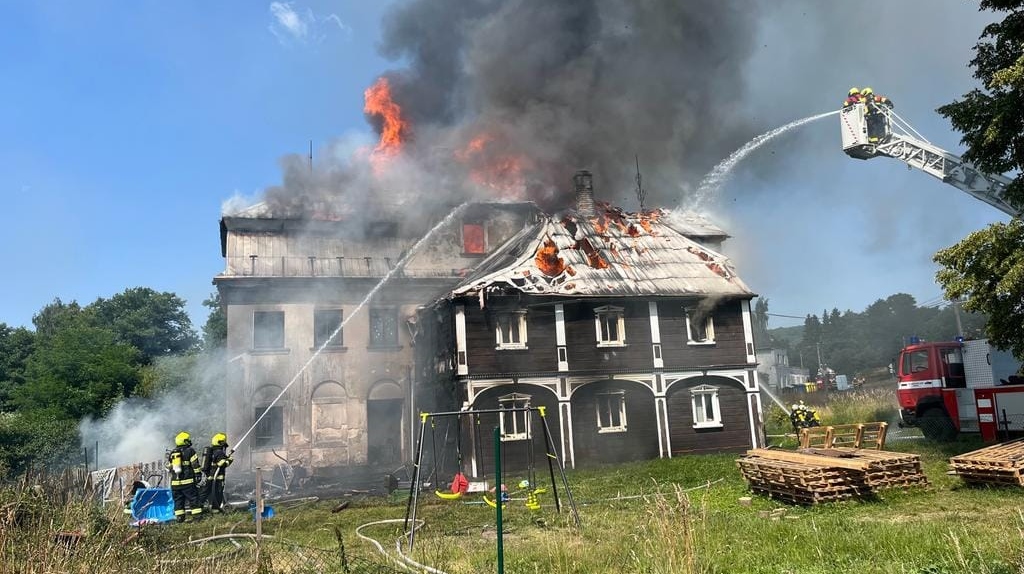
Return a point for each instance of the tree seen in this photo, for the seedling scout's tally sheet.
(16, 346)
(215, 330)
(988, 266)
(154, 323)
(80, 370)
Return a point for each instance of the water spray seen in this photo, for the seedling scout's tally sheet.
(398, 266)
(721, 172)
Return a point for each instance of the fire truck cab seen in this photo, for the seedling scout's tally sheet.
(948, 387)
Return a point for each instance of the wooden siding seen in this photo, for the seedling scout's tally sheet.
(541, 354)
(638, 442)
(517, 456)
(729, 347)
(733, 436)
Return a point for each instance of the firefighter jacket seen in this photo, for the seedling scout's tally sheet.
(183, 466)
(854, 99)
(216, 461)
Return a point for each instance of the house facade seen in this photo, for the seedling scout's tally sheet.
(320, 372)
(633, 339)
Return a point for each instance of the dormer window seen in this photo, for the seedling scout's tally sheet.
(610, 326)
(474, 239)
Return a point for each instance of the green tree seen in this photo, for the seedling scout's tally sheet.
(988, 266)
(80, 370)
(215, 330)
(16, 346)
(154, 323)
(57, 315)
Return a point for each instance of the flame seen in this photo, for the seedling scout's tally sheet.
(547, 259)
(493, 168)
(395, 129)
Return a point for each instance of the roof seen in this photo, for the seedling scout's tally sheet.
(611, 254)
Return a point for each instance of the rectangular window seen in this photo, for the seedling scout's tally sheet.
(473, 238)
(270, 430)
(700, 327)
(611, 412)
(510, 330)
(706, 412)
(610, 326)
(325, 323)
(915, 361)
(384, 328)
(268, 330)
(515, 424)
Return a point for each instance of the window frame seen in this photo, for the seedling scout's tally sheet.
(709, 328)
(605, 399)
(392, 314)
(601, 316)
(261, 437)
(256, 315)
(338, 342)
(518, 318)
(475, 224)
(698, 397)
(516, 419)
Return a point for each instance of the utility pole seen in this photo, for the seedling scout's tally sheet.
(956, 312)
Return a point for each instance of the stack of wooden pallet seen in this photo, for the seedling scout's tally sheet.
(996, 464)
(811, 476)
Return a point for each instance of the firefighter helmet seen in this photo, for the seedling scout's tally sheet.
(867, 91)
(219, 439)
(183, 439)
(854, 91)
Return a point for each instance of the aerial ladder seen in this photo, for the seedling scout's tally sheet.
(877, 131)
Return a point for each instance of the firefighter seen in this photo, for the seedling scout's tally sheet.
(216, 460)
(854, 96)
(876, 117)
(183, 466)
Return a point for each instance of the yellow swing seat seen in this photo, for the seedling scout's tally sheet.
(448, 495)
(492, 503)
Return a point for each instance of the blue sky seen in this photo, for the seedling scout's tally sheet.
(126, 125)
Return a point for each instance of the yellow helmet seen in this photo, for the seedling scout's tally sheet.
(867, 91)
(219, 439)
(854, 91)
(183, 439)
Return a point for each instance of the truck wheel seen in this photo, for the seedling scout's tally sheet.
(937, 426)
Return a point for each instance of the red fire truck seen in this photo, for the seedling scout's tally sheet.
(951, 386)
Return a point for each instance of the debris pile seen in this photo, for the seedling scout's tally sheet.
(812, 476)
(996, 464)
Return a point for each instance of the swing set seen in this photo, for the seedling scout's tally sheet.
(460, 483)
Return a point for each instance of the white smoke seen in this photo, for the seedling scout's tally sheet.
(142, 429)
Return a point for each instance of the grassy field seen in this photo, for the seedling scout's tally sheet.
(670, 516)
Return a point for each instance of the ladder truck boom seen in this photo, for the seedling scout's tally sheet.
(879, 132)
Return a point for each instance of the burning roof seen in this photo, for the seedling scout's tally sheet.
(613, 253)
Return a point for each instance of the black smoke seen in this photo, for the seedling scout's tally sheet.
(559, 85)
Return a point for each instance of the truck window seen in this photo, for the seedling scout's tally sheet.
(915, 361)
(953, 360)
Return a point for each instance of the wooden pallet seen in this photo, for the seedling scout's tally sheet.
(862, 435)
(811, 476)
(997, 464)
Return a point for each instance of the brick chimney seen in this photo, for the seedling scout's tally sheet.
(583, 182)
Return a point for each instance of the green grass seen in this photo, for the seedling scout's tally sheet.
(672, 516)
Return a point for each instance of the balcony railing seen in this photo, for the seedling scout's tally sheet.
(256, 266)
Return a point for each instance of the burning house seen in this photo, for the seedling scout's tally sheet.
(327, 391)
(636, 338)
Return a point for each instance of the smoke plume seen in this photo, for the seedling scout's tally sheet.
(507, 98)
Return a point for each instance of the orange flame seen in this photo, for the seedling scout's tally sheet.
(494, 169)
(395, 129)
(547, 259)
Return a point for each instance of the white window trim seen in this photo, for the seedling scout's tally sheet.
(709, 329)
(520, 316)
(517, 401)
(621, 427)
(601, 313)
(697, 394)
